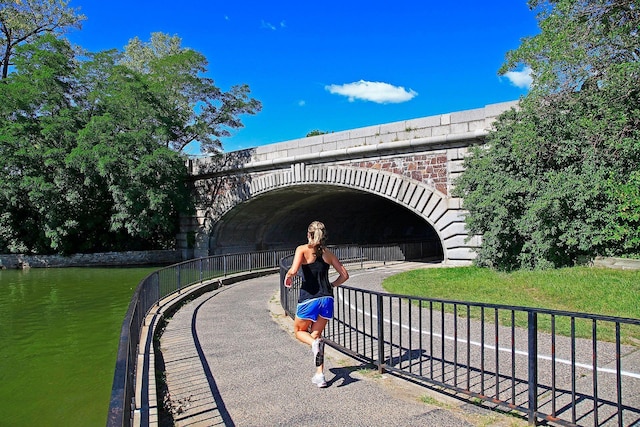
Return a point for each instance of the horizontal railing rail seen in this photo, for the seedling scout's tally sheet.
(554, 366)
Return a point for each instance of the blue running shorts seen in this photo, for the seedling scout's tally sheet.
(311, 309)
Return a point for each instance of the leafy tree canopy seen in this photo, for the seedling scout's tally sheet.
(578, 43)
(193, 108)
(23, 20)
(558, 179)
(90, 150)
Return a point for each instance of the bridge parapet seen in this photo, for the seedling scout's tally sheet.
(424, 134)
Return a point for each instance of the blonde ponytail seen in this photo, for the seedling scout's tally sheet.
(317, 236)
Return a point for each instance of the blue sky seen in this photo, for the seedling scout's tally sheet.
(332, 65)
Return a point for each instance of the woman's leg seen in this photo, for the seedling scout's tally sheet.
(308, 336)
(301, 330)
(317, 327)
(316, 332)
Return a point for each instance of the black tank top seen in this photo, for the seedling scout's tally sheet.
(315, 280)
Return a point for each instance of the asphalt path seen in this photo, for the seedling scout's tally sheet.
(230, 358)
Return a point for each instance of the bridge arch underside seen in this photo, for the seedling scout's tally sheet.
(279, 219)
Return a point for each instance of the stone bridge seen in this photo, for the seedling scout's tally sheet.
(373, 185)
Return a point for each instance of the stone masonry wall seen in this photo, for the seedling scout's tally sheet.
(105, 259)
(434, 130)
(430, 169)
(429, 149)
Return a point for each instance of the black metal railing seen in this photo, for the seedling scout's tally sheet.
(173, 279)
(358, 257)
(149, 292)
(561, 367)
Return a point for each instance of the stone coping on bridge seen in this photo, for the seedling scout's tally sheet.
(402, 136)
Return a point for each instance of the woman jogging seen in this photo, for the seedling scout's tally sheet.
(315, 305)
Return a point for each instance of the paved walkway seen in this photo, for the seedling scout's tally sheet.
(231, 359)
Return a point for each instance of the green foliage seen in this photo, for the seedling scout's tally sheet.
(21, 21)
(35, 133)
(558, 179)
(627, 229)
(90, 150)
(316, 132)
(578, 42)
(190, 107)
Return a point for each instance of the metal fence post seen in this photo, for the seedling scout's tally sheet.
(157, 276)
(178, 276)
(380, 313)
(533, 367)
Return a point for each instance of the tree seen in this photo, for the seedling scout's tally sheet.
(79, 170)
(578, 43)
(86, 158)
(39, 194)
(557, 180)
(23, 20)
(119, 154)
(191, 107)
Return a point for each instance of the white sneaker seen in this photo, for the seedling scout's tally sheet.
(317, 347)
(318, 379)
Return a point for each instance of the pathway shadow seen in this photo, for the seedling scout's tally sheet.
(342, 377)
(215, 392)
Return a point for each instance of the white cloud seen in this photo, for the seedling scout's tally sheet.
(379, 92)
(520, 78)
(302, 103)
(267, 25)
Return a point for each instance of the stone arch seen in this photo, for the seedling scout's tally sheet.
(442, 212)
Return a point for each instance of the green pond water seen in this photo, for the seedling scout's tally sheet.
(59, 331)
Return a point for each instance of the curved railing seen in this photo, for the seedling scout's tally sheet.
(173, 279)
(152, 289)
(553, 366)
(561, 367)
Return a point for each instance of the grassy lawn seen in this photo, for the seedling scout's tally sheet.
(581, 289)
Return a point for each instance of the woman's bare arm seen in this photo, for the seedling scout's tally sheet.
(343, 274)
(295, 265)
